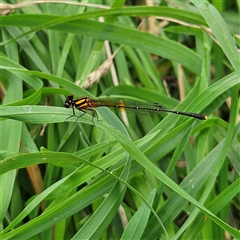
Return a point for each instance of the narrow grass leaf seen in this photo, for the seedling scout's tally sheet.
(138, 222)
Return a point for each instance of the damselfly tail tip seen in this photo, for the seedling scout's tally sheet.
(201, 117)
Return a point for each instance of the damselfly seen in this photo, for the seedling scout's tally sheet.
(86, 103)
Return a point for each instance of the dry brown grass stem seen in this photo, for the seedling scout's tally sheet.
(102, 70)
(9, 8)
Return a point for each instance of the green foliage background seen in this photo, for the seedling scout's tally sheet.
(163, 176)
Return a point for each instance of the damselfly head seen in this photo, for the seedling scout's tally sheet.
(69, 101)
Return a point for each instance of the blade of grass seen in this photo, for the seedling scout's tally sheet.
(138, 222)
(220, 30)
(10, 131)
(104, 31)
(106, 211)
